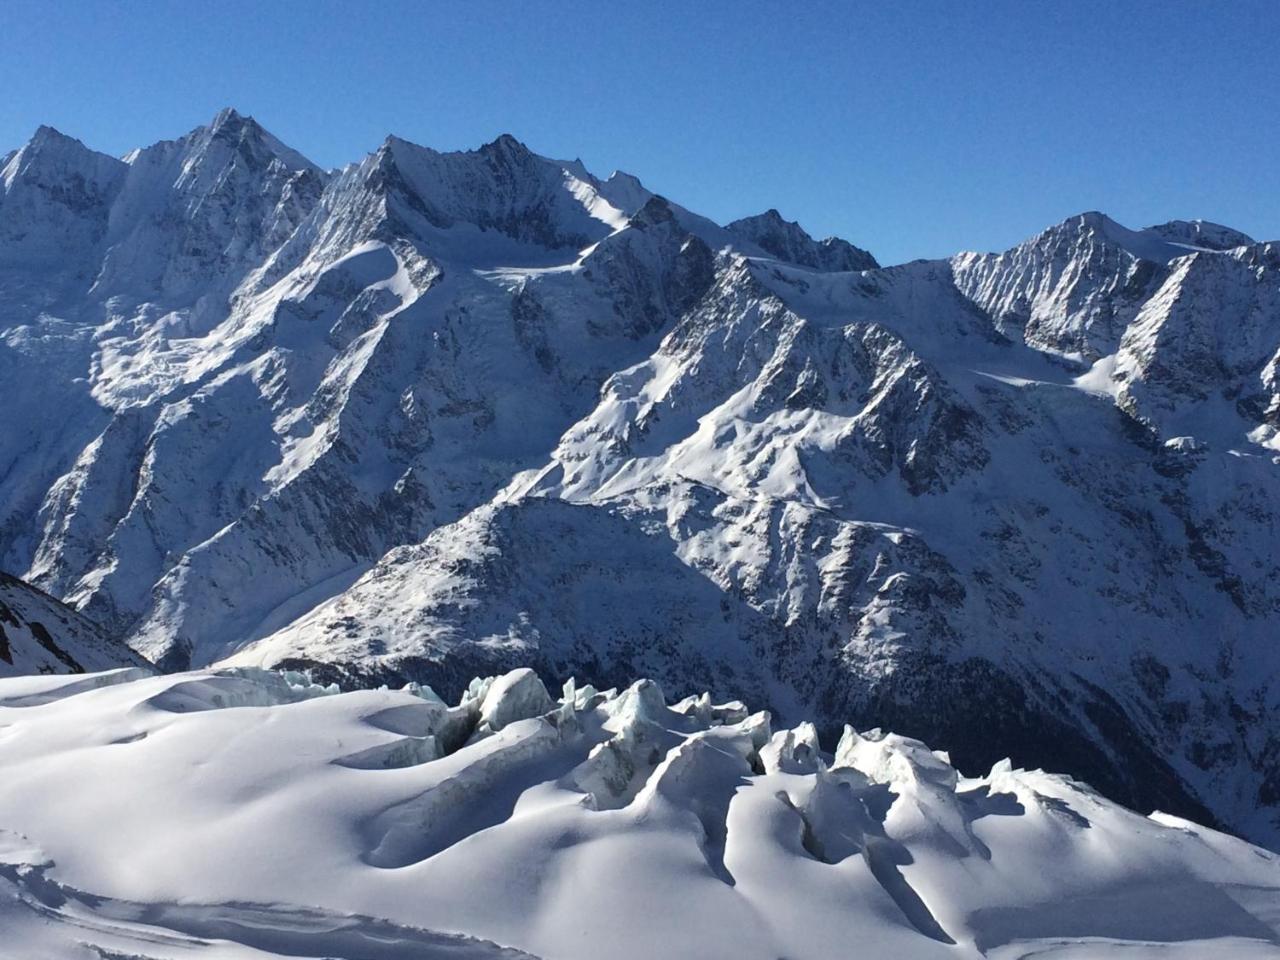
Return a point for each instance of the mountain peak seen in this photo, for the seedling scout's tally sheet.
(1087, 222)
(1157, 242)
(506, 149)
(1092, 218)
(1201, 233)
(500, 186)
(229, 117)
(787, 240)
(389, 145)
(231, 126)
(47, 139)
(654, 211)
(1148, 245)
(770, 220)
(620, 177)
(240, 133)
(47, 134)
(51, 153)
(624, 191)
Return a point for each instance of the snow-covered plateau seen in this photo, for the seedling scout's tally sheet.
(436, 415)
(250, 814)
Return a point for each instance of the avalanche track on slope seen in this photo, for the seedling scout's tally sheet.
(252, 814)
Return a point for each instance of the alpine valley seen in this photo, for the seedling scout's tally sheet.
(440, 415)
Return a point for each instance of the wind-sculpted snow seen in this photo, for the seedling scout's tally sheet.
(218, 814)
(439, 414)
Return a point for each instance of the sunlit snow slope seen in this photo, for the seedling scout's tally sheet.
(250, 814)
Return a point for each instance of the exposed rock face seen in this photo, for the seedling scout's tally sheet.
(1072, 289)
(38, 634)
(435, 415)
(787, 241)
(1206, 339)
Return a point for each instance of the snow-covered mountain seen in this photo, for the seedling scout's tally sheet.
(787, 241)
(40, 635)
(441, 414)
(255, 815)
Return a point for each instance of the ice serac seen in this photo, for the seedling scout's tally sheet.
(439, 414)
(517, 695)
(327, 829)
(787, 240)
(40, 635)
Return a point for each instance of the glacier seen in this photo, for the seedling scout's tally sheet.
(218, 813)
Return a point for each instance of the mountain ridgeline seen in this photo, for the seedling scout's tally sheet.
(436, 415)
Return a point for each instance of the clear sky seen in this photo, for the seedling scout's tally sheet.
(915, 129)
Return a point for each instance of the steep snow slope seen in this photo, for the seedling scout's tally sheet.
(55, 197)
(437, 414)
(253, 815)
(1200, 358)
(89, 364)
(39, 635)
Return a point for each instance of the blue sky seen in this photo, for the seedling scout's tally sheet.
(914, 129)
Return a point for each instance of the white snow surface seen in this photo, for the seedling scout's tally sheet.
(252, 814)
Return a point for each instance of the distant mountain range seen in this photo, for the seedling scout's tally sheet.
(435, 415)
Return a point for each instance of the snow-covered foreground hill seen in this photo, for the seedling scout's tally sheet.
(438, 414)
(251, 814)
